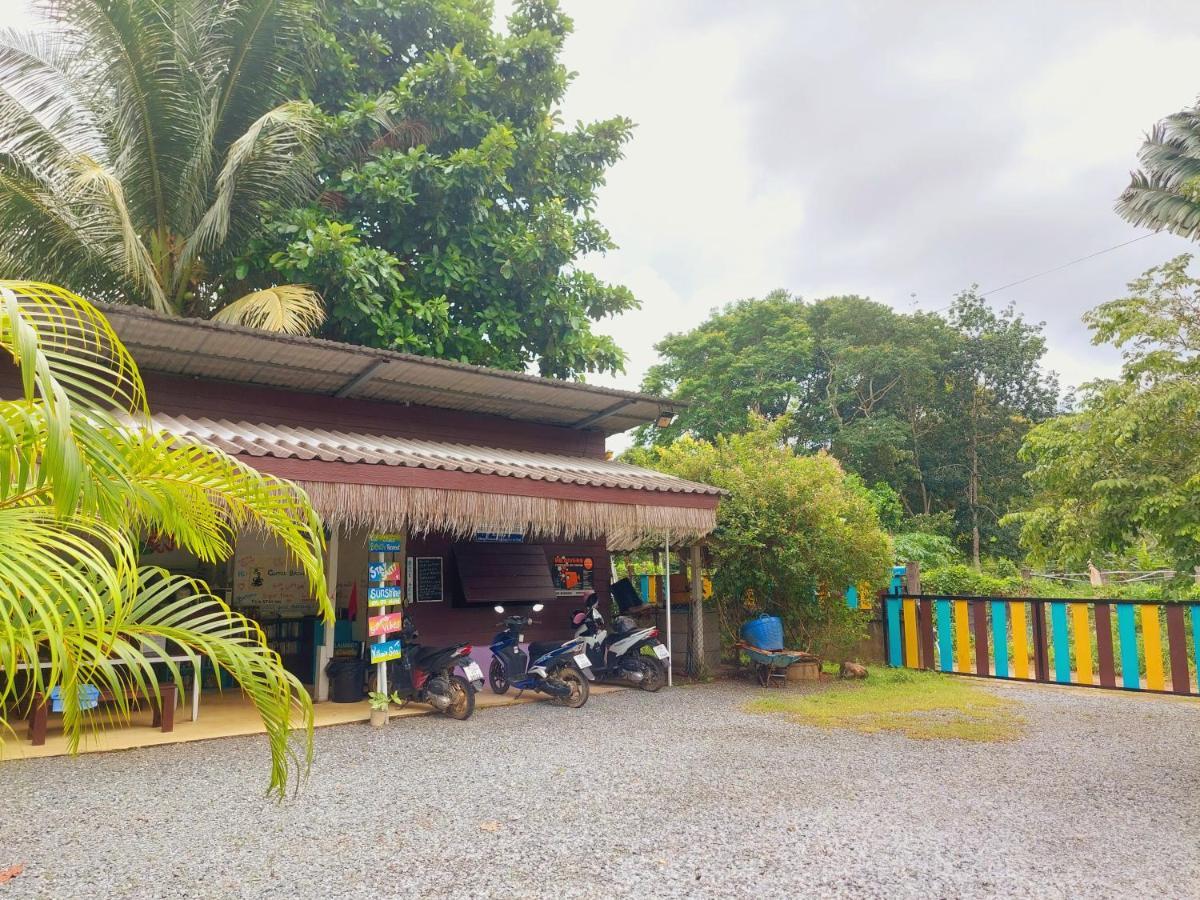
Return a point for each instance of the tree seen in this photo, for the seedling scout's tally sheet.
(455, 208)
(78, 486)
(791, 535)
(139, 142)
(1122, 468)
(1165, 192)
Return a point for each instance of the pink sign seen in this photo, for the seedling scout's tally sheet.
(377, 625)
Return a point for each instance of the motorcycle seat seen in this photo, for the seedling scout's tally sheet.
(540, 648)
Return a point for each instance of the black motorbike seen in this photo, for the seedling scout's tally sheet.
(428, 675)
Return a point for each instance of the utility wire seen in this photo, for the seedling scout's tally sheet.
(1067, 265)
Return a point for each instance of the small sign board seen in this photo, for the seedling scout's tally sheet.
(385, 543)
(385, 624)
(385, 650)
(429, 579)
(383, 595)
(499, 537)
(384, 572)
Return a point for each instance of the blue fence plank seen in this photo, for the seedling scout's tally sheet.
(1127, 632)
(1000, 637)
(893, 632)
(945, 637)
(1062, 647)
(852, 597)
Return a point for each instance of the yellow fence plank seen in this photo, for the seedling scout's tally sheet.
(1152, 644)
(1020, 639)
(962, 637)
(910, 635)
(1083, 643)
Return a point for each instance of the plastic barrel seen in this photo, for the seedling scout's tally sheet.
(345, 679)
(765, 632)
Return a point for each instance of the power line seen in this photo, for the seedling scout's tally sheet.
(1067, 265)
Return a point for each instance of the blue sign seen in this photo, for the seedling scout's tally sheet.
(499, 537)
(380, 595)
(385, 650)
(385, 543)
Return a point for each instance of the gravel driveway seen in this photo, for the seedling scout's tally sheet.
(680, 793)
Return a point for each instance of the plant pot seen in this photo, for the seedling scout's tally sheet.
(379, 718)
(804, 671)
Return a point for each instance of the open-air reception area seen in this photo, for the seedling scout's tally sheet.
(445, 490)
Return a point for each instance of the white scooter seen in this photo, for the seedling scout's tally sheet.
(629, 653)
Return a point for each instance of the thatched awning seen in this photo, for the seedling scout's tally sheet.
(391, 483)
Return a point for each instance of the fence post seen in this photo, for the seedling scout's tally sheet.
(1041, 656)
(912, 578)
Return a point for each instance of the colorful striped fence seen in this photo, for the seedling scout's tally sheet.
(1079, 642)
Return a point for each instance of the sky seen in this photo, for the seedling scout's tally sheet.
(901, 151)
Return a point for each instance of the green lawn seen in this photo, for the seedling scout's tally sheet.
(919, 705)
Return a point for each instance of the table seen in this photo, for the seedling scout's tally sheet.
(176, 659)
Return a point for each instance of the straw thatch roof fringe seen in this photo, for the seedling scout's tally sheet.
(463, 513)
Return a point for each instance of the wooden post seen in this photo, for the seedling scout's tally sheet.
(698, 668)
(667, 596)
(912, 578)
(325, 652)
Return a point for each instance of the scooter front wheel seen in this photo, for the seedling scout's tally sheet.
(498, 678)
(462, 698)
(576, 683)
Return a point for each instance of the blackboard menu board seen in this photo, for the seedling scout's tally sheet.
(429, 579)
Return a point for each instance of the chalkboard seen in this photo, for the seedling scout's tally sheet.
(429, 579)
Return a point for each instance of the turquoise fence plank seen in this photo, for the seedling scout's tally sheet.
(893, 632)
(644, 587)
(1062, 647)
(1196, 637)
(1127, 632)
(852, 597)
(1000, 637)
(945, 639)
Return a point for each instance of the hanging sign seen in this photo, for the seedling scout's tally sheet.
(385, 650)
(499, 537)
(384, 594)
(385, 624)
(385, 543)
(573, 574)
(380, 572)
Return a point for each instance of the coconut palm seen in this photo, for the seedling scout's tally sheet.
(139, 142)
(1165, 193)
(83, 474)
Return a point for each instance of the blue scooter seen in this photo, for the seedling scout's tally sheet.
(559, 670)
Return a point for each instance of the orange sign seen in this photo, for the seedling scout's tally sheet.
(386, 624)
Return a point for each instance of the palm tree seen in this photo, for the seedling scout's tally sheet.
(83, 474)
(1165, 193)
(140, 141)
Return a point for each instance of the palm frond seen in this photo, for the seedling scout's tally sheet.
(285, 308)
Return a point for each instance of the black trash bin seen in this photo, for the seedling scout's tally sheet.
(345, 679)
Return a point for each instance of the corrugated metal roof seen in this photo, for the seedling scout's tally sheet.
(286, 442)
(211, 350)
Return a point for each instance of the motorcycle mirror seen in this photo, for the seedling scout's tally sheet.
(538, 607)
(498, 608)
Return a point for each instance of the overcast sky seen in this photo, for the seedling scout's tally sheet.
(896, 150)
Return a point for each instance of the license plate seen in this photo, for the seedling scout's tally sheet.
(661, 652)
(582, 661)
(474, 673)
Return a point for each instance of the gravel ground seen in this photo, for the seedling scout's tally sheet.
(674, 794)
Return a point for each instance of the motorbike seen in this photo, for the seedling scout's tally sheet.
(427, 675)
(628, 653)
(561, 670)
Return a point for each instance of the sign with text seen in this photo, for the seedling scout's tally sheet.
(385, 543)
(499, 537)
(429, 579)
(573, 574)
(383, 595)
(383, 572)
(385, 624)
(385, 650)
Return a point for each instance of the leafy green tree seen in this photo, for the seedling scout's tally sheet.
(140, 143)
(1165, 192)
(78, 486)
(793, 533)
(455, 208)
(1122, 468)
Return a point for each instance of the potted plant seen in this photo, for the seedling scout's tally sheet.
(379, 708)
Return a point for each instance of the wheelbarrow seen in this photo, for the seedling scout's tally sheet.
(770, 666)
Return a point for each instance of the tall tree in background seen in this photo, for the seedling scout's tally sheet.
(934, 407)
(1123, 469)
(1165, 192)
(455, 206)
(139, 141)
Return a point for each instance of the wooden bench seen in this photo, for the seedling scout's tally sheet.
(164, 711)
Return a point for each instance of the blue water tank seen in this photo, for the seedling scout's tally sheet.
(765, 632)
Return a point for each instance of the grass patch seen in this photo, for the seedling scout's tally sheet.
(919, 705)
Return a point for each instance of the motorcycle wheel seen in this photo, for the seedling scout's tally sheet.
(654, 674)
(575, 680)
(498, 678)
(462, 703)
